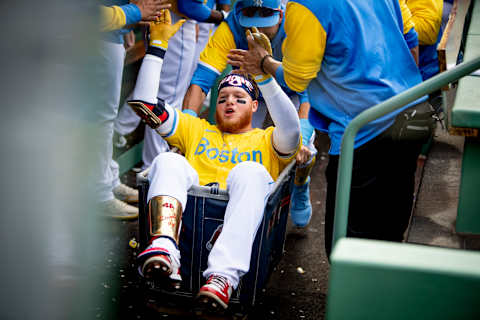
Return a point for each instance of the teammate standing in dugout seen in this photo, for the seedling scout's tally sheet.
(353, 56)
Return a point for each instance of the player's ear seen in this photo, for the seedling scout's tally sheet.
(254, 105)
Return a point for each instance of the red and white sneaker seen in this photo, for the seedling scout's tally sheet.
(215, 293)
(160, 263)
(155, 262)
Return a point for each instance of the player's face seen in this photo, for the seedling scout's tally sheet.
(235, 108)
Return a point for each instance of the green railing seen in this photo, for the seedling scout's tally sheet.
(392, 104)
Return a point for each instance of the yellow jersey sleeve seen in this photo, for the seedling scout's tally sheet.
(214, 56)
(112, 18)
(406, 16)
(303, 47)
(185, 129)
(427, 18)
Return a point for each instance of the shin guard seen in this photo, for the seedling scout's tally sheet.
(165, 216)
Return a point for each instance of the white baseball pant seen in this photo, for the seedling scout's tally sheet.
(127, 120)
(112, 57)
(248, 184)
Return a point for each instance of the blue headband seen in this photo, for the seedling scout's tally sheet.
(240, 81)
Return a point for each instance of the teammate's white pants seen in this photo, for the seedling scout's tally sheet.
(248, 184)
(112, 57)
(127, 120)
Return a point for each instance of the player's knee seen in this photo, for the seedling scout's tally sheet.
(167, 159)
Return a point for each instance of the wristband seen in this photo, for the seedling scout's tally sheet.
(190, 112)
(263, 61)
(156, 51)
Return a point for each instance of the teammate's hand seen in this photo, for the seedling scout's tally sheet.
(256, 39)
(303, 155)
(150, 9)
(162, 29)
(249, 61)
(260, 39)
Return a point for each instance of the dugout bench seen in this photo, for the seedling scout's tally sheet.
(465, 121)
(201, 223)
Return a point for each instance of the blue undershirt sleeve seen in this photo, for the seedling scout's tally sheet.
(132, 13)
(204, 78)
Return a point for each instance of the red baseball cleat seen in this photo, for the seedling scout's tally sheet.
(215, 292)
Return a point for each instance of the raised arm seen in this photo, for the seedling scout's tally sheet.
(286, 135)
(153, 111)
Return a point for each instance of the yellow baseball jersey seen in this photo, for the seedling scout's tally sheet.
(213, 153)
(427, 18)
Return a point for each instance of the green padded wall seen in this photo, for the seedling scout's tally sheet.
(385, 280)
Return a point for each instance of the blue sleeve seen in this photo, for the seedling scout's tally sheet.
(279, 76)
(132, 13)
(412, 38)
(204, 78)
(194, 9)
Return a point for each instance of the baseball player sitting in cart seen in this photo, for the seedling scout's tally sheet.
(243, 160)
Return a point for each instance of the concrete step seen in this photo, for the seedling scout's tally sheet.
(435, 212)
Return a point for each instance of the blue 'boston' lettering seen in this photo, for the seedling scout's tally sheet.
(225, 155)
(202, 146)
(234, 155)
(242, 154)
(210, 151)
(254, 156)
